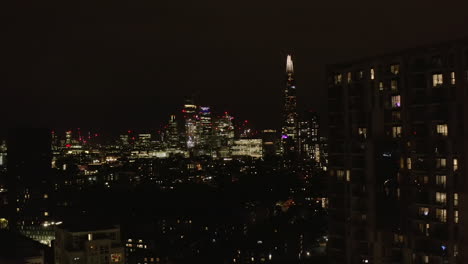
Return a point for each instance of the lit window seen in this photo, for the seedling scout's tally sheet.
(397, 238)
(338, 78)
(441, 163)
(441, 215)
(395, 68)
(441, 197)
(46, 196)
(426, 179)
(455, 199)
(452, 78)
(442, 129)
(348, 175)
(423, 211)
(362, 131)
(350, 77)
(46, 213)
(361, 74)
(116, 257)
(394, 85)
(455, 216)
(396, 101)
(441, 180)
(381, 86)
(408, 163)
(372, 74)
(424, 228)
(340, 174)
(402, 163)
(396, 131)
(455, 164)
(437, 79)
(426, 259)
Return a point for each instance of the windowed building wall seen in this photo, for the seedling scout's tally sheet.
(397, 150)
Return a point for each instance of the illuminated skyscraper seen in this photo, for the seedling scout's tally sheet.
(224, 134)
(308, 138)
(205, 127)
(204, 131)
(172, 133)
(289, 131)
(190, 118)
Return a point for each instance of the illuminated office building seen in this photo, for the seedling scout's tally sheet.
(3, 154)
(172, 133)
(308, 137)
(204, 131)
(289, 130)
(144, 140)
(190, 119)
(397, 157)
(68, 137)
(270, 142)
(124, 140)
(224, 135)
(247, 148)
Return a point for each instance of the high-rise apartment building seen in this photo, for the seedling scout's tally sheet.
(289, 130)
(87, 245)
(29, 183)
(397, 155)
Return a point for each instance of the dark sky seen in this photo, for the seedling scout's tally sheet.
(116, 64)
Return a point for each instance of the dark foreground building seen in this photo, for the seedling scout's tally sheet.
(30, 183)
(397, 157)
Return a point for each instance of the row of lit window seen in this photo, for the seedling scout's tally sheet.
(394, 68)
(440, 163)
(440, 215)
(441, 129)
(441, 198)
(437, 78)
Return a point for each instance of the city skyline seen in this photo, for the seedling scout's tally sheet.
(264, 132)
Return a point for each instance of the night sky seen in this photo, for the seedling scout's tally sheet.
(116, 64)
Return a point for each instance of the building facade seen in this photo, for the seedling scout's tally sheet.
(308, 137)
(289, 129)
(190, 118)
(79, 245)
(30, 183)
(397, 155)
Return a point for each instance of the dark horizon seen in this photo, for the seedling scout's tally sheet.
(89, 66)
